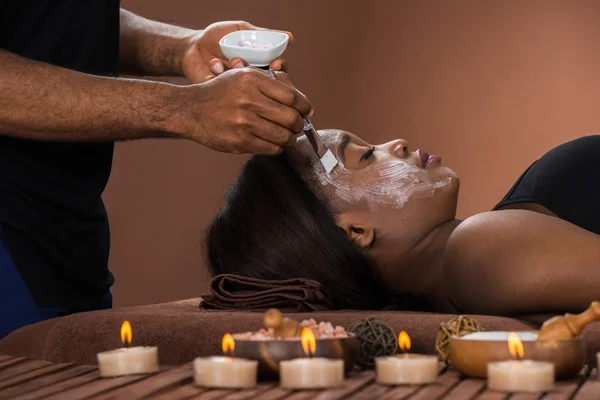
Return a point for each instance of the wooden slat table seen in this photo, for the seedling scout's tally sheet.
(22, 379)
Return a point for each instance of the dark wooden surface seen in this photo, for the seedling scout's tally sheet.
(33, 379)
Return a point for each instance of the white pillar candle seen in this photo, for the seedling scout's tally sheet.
(521, 376)
(128, 361)
(225, 372)
(311, 373)
(406, 369)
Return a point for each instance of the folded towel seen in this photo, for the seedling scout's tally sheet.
(234, 292)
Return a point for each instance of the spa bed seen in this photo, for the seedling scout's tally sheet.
(182, 331)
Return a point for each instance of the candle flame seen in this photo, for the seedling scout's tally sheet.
(227, 344)
(515, 346)
(126, 334)
(404, 341)
(309, 343)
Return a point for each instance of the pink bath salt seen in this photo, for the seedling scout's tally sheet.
(325, 327)
(260, 336)
(322, 330)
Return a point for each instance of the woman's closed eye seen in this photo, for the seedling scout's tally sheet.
(367, 154)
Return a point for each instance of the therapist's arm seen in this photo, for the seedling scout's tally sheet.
(241, 111)
(152, 48)
(44, 102)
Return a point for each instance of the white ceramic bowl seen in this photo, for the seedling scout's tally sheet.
(257, 48)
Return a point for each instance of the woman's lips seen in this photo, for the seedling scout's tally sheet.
(426, 159)
(423, 157)
(431, 160)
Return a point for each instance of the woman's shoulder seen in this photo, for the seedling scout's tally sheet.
(478, 237)
(494, 255)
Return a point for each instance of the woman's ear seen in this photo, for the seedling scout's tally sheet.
(362, 235)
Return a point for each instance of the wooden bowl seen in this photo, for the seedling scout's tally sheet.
(471, 356)
(269, 353)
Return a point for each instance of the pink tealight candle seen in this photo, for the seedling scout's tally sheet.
(128, 360)
(520, 375)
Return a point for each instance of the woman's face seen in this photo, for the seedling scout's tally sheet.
(386, 197)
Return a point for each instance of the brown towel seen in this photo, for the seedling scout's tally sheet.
(234, 292)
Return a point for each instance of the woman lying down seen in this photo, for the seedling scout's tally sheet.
(382, 228)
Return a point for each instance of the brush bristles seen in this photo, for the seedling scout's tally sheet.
(329, 161)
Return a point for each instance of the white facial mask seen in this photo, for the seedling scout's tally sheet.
(391, 182)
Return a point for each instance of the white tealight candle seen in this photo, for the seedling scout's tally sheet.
(520, 375)
(225, 372)
(408, 369)
(308, 372)
(128, 361)
(311, 373)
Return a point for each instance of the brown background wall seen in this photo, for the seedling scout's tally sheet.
(489, 85)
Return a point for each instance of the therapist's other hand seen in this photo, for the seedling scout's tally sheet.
(245, 111)
(204, 47)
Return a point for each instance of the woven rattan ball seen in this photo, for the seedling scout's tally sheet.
(458, 326)
(376, 339)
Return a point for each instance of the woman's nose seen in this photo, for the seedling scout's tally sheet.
(398, 148)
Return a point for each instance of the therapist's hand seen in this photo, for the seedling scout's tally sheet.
(204, 47)
(243, 111)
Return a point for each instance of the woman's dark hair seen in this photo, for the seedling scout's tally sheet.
(272, 226)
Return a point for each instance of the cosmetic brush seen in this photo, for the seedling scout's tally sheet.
(325, 155)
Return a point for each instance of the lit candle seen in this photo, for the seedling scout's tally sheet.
(309, 372)
(225, 372)
(520, 375)
(406, 369)
(128, 360)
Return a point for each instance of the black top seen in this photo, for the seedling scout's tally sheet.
(565, 181)
(50, 206)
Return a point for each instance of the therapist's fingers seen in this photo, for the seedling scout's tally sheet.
(273, 132)
(256, 145)
(217, 66)
(283, 77)
(279, 65)
(238, 63)
(286, 95)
